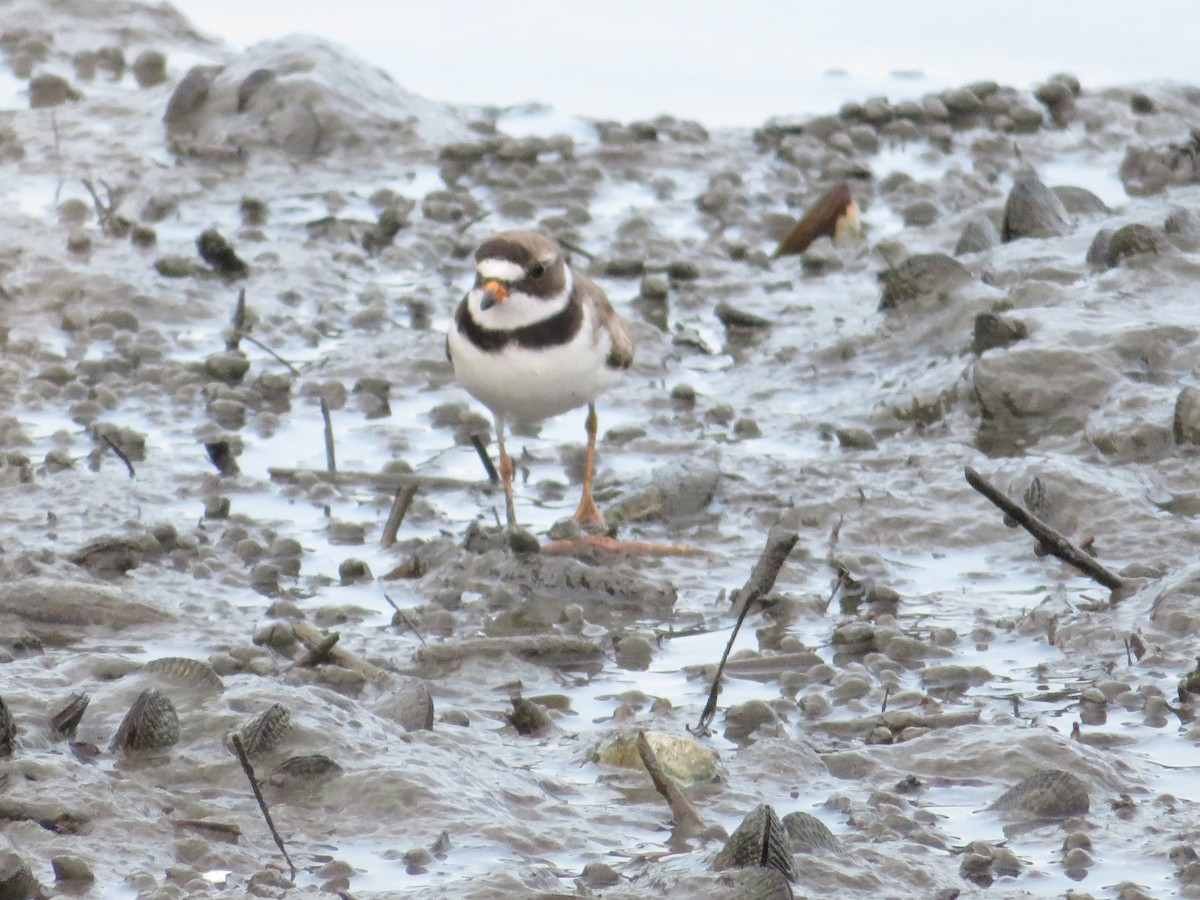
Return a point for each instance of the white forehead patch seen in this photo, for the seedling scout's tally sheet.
(500, 269)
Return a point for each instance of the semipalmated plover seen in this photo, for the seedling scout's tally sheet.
(533, 339)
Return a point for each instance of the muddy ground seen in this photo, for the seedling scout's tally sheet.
(1048, 340)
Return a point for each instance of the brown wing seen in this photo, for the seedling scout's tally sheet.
(621, 354)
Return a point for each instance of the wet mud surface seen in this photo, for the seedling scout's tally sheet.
(448, 717)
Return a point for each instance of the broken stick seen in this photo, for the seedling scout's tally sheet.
(1056, 544)
(780, 542)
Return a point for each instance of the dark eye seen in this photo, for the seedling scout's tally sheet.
(536, 271)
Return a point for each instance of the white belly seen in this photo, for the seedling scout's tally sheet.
(531, 385)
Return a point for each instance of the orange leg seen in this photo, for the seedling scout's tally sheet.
(507, 470)
(587, 513)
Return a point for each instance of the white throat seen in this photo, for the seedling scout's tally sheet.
(517, 309)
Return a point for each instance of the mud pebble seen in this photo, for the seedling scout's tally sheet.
(1032, 210)
(654, 289)
(921, 275)
(150, 725)
(47, 90)
(978, 235)
(143, 236)
(1048, 794)
(215, 250)
(303, 770)
(216, 507)
(743, 719)
(1133, 240)
(634, 652)
(175, 266)
(71, 868)
(920, 213)
(1142, 104)
(409, 704)
(346, 533)
(79, 242)
(112, 61)
(993, 330)
(16, 878)
(746, 428)
(682, 270)
(150, 68)
(809, 834)
(529, 718)
(84, 62)
(732, 317)
(855, 439)
(354, 571)
(1080, 201)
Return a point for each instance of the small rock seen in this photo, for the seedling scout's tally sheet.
(150, 68)
(1080, 201)
(229, 366)
(993, 330)
(731, 317)
(921, 275)
(71, 868)
(50, 90)
(978, 234)
(1134, 240)
(1033, 211)
(218, 253)
(855, 439)
(353, 571)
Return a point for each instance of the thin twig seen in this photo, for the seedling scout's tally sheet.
(685, 817)
(481, 449)
(330, 458)
(405, 618)
(246, 336)
(400, 504)
(762, 578)
(103, 211)
(262, 803)
(120, 453)
(239, 322)
(1055, 543)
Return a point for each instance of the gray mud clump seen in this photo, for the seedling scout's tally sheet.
(243, 495)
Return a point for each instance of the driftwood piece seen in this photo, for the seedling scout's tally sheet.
(686, 821)
(1054, 543)
(318, 643)
(828, 216)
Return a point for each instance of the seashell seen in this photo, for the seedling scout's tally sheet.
(760, 840)
(191, 672)
(151, 724)
(682, 757)
(267, 730)
(1048, 794)
(66, 720)
(300, 770)
(8, 730)
(808, 833)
